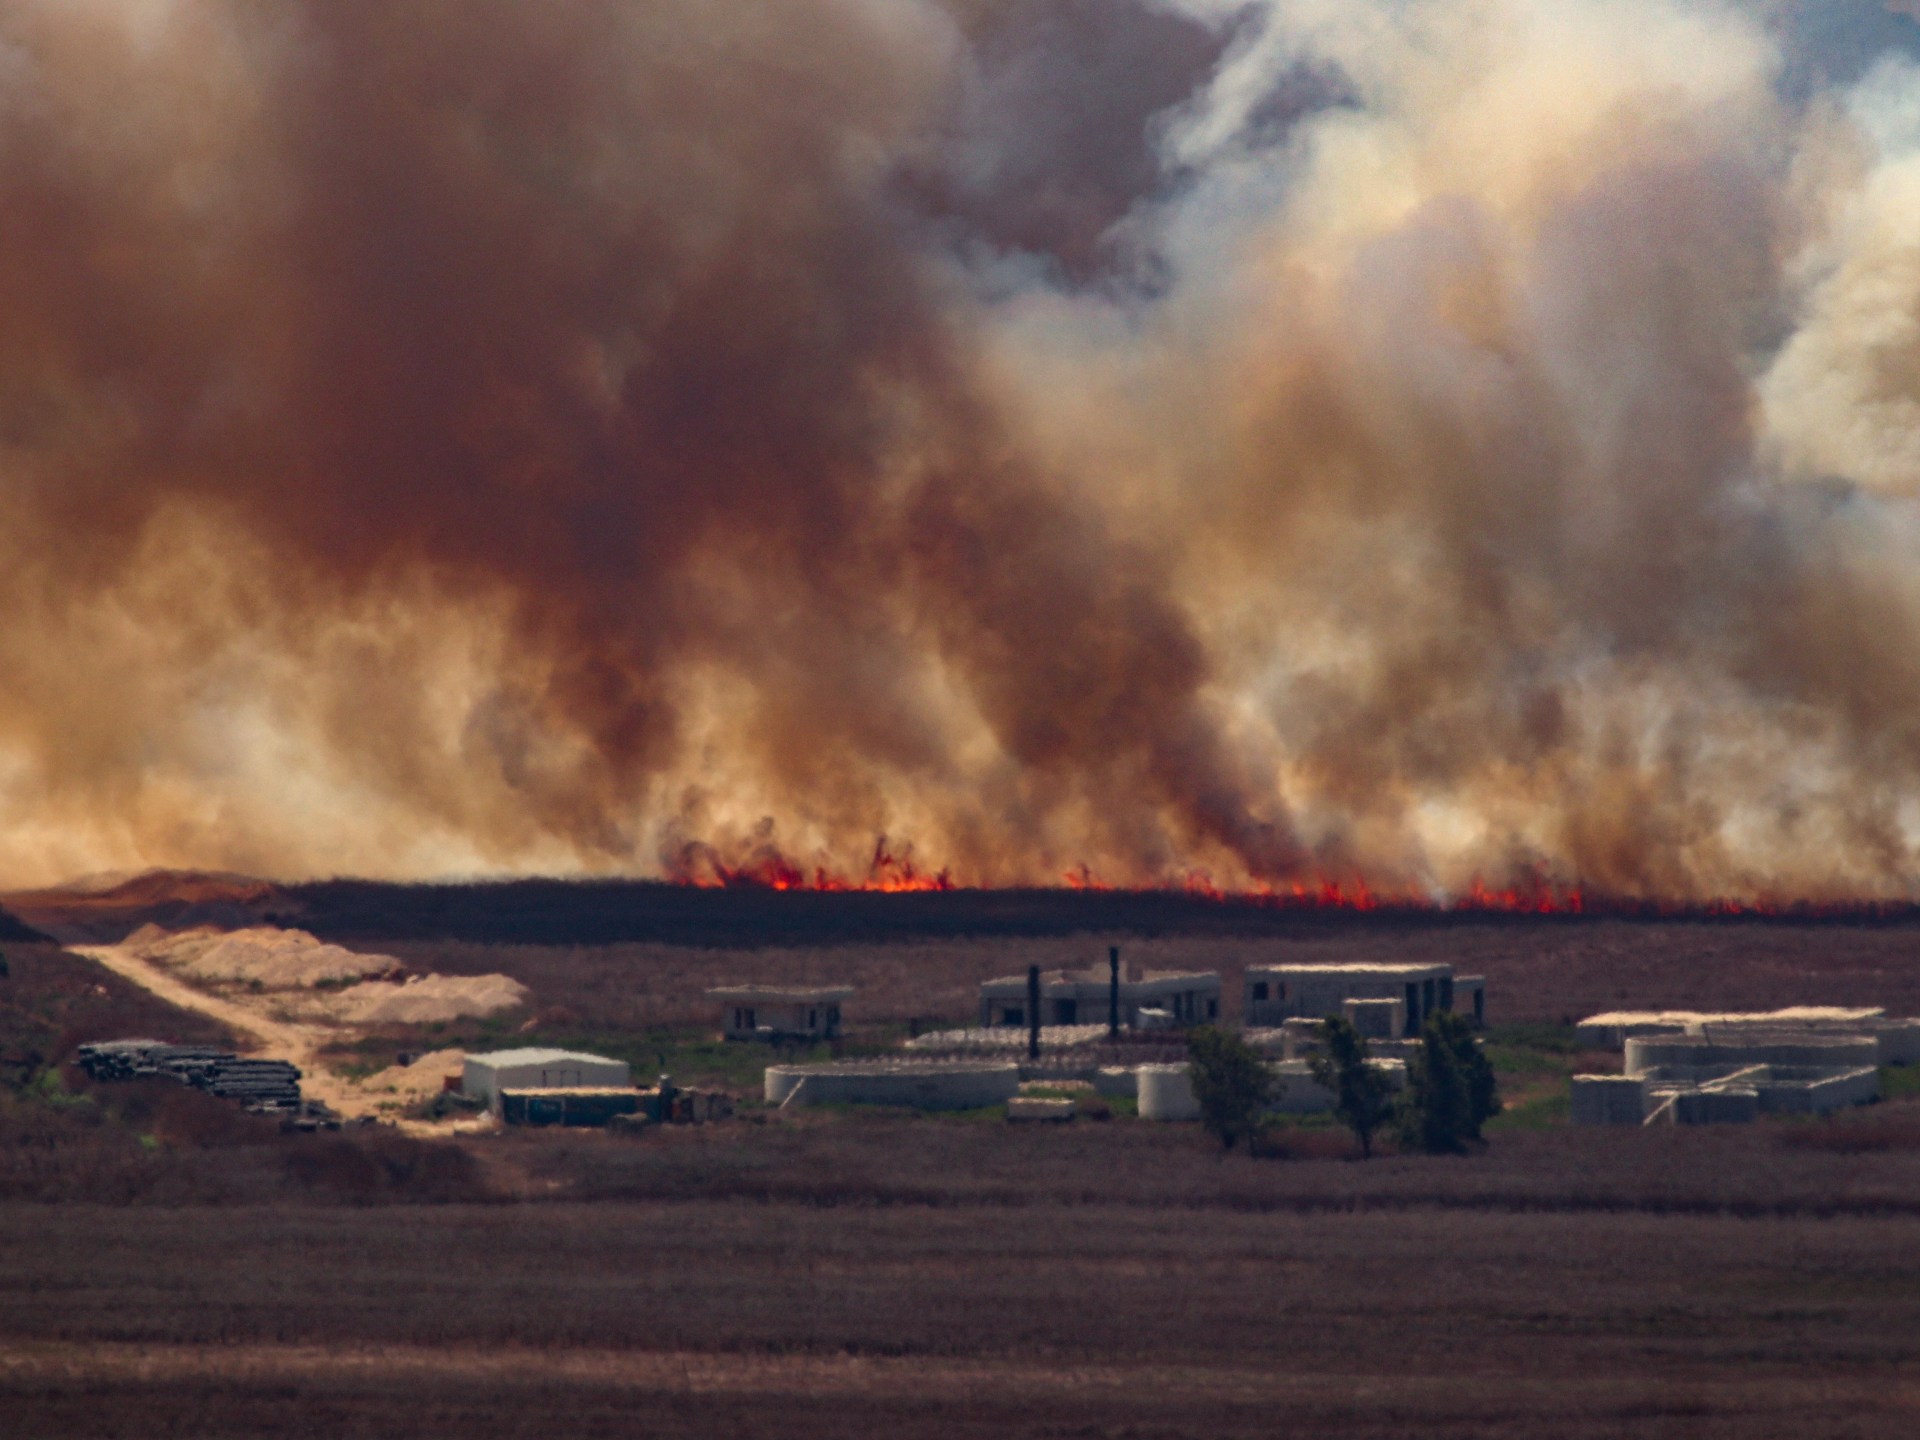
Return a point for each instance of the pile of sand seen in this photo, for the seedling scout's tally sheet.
(423, 1000)
(260, 955)
(422, 1080)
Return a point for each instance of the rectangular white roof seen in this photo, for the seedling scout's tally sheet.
(1792, 1015)
(779, 995)
(1099, 975)
(1359, 967)
(536, 1056)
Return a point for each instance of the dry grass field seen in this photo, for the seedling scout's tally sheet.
(952, 1278)
(171, 1268)
(1537, 970)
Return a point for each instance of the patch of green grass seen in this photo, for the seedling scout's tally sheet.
(1538, 1110)
(1279, 1123)
(50, 1088)
(1543, 1038)
(1900, 1082)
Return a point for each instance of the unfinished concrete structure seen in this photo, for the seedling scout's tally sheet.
(1145, 998)
(1896, 1041)
(1730, 1078)
(778, 1012)
(1276, 993)
(485, 1076)
(922, 1085)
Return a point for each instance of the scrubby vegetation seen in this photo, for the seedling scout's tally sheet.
(1232, 1082)
(1362, 1096)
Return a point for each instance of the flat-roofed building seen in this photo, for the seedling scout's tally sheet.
(1276, 993)
(780, 1012)
(1083, 997)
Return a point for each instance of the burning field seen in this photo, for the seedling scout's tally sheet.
(515, 515)
(1291, 447)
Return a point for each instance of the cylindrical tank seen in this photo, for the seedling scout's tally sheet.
(1166, 1093)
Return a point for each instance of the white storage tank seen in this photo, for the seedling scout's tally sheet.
(1166, 1093)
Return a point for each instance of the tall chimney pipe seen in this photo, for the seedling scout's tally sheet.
(1033, 1012)
(1113, 992)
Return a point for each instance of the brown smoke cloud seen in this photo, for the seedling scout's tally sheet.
(1420, 443)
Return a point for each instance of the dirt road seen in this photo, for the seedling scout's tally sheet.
(272, 1038)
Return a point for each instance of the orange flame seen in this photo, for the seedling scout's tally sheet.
(765, 867)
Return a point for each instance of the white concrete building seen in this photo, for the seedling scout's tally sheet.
(779, 1012)
(1275, 993)
(485, 1076)
(1083, 997)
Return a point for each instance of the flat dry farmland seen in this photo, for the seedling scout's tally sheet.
(755, 1319)
(1537, 969)
(1866, 1165)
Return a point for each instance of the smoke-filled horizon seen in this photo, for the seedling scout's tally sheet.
(1416, 443)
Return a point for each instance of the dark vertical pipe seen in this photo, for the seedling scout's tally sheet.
(1113, 992)
(1033, 1012)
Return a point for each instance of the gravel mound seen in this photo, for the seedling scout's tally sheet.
(259, 955)
(424, 999)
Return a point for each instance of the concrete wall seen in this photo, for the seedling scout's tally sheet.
(1649, 1052)
(1376, 1019)
(1899, 1041)
(1818, 1096)
(965, 1085)
(1608, 1100)
(765, 1019)
(1716, 1107)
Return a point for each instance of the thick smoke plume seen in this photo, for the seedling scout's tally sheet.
(1409, 443)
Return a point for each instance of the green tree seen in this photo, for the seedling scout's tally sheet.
(1231, 1081)
(1362, 1096)
(1451, 1090)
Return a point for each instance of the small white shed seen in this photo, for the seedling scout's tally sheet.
(780, 1012)
(485, 1076)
